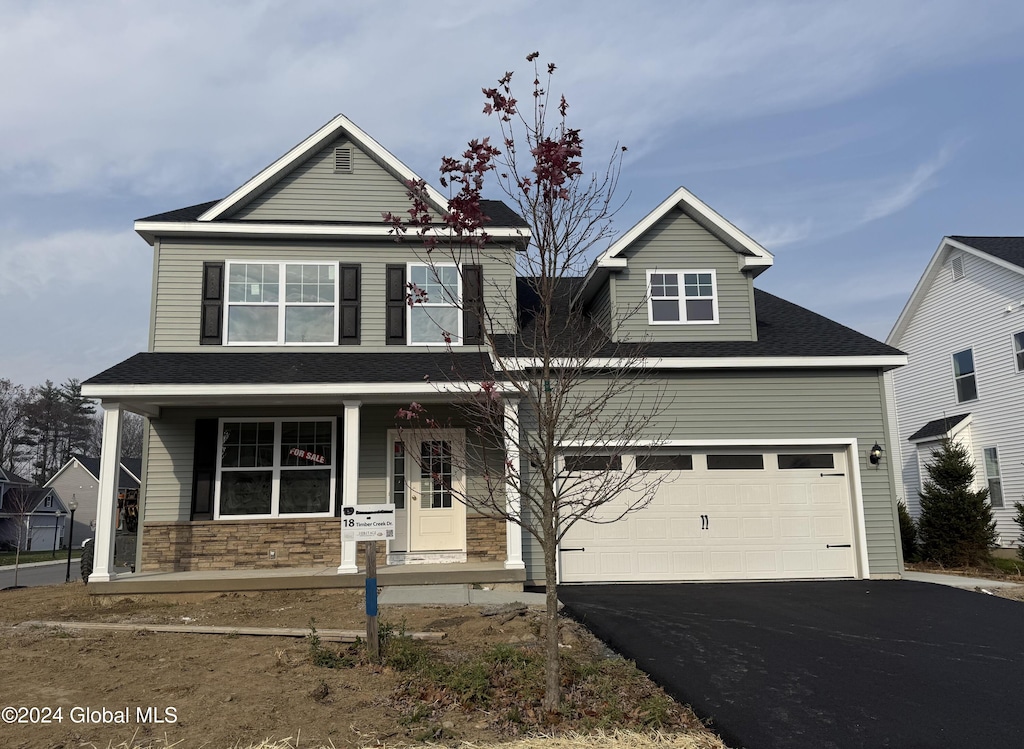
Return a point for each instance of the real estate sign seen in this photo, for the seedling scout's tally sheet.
(368, 522)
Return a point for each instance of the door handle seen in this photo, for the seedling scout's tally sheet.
(704, 522)
(837, 546)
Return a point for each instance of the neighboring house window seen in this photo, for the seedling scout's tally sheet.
(1018, 350)
(963, 374)
(281, 303)
(682, 297)
(271, 468)
(995, 482)
(48, 502)
(435, 316)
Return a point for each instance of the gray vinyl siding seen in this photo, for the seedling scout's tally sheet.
(601, 307)
(313, 191)
(178, 297)
(168, 479)
(953, 316)
(678, 243)
(766, 405)
(77, 483)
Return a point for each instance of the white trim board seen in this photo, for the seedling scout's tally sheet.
(714, 362)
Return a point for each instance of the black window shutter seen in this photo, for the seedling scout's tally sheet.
(204, 468)
(472, 304)
(348, 313)
(339, 467)
(213, 304)
(396, 305)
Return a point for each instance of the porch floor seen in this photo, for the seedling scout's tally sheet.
(305, 578)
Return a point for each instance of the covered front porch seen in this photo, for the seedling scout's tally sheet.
(244, 485)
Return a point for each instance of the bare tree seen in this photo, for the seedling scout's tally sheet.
(13, 415)
(132, 431)
(16, 506)
(578, 413)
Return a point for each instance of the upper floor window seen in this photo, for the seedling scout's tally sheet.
(963, 375)
(1018, 350)
(435, 316)
(275, 303)
(995, 481)
(682, 297)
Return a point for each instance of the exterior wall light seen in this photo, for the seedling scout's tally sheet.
(875, 455)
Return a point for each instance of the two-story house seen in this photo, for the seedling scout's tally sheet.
(282, 346)
(963, 331)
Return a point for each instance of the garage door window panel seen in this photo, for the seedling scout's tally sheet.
(576, 464)
(800, 461)
(735, 462)
(664, 462)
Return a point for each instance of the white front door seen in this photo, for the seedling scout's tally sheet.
(434, 517)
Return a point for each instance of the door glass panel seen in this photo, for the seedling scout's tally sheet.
(398, 479)
(435, 474)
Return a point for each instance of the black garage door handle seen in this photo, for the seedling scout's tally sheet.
(837, 546)
(833, 474)
(579, 549)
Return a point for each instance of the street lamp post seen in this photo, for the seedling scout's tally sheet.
(72, 505)
(56, 526)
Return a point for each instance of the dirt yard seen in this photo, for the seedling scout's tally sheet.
(232, 690)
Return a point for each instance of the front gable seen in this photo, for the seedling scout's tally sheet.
(683, 273)
(339, 182)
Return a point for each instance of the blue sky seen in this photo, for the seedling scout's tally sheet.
(846, 137)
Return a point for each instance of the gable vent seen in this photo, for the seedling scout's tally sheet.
(957, 266)
(343, 160)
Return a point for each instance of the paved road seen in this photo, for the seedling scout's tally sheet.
(854, 664)
(50, 574)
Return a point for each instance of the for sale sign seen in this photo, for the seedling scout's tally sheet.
(368, 522)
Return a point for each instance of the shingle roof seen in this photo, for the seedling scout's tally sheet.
(783, 329)
(92, 465)
(936, 428)
(499, 213)
(1010, 249)
(11, 477)
(285, 368)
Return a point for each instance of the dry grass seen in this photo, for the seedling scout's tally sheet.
(597, 740)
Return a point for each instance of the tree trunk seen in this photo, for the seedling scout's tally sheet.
(552, 668)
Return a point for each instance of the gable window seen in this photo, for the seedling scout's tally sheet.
(48, 502)
(435, 317)
(282, 303)
(682, 297)
(963, 375)
(1018, 350)
(275, 467)
(995, 482)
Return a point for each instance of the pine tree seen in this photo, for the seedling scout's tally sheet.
(908, 533)
(956, 527)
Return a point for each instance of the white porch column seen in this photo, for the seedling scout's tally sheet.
(106, 503)
(513, 500)
(350, 480)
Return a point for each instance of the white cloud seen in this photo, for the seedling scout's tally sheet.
(908, 189)
(52, 265)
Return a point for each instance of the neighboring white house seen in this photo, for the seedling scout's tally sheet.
(30, 517)
(963, 330)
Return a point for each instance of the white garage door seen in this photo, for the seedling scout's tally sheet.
(724, 514)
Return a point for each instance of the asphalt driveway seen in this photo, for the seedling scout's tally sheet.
(825, 664)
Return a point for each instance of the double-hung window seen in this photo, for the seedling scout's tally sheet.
(1018, 350)
(963, 375)
(435, 315)
(275, 468)
(282, 303)
(683, 297)
(995, 481)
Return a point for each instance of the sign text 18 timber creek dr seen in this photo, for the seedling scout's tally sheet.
(368, 523)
